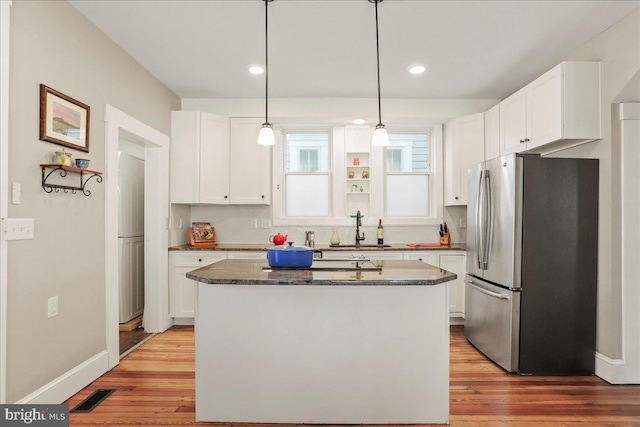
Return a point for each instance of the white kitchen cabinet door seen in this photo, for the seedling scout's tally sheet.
(455, 263)
(199, 158)
(492, 133)
(131, 280)
(248, 254)
(513, 123)
(559, 109)
(182, 290)
(430, 257)
(373, 255)
(250, 173)
(464, 147)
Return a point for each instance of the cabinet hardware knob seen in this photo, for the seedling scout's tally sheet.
(419, 259)
(457, 197)
(522, 141)
(526, 140)
(262, 196)
(226, 197)
(199, 259)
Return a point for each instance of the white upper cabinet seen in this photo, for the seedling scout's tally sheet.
(492, 133)
(513, 123)
(561, 107)
(217, 160)
(464, 147)
(250, 172)
(199, 158)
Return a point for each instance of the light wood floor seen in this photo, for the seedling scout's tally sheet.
(156, 387)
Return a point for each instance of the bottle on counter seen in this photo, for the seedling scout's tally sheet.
(380, 232)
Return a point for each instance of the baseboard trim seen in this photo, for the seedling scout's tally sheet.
(612, 370)
(69, 383)
(184, 321)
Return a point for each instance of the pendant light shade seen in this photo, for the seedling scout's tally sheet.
(380, 135)
(266, 136)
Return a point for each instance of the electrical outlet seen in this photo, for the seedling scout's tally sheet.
(463, 223)
(266, 223)
(52, 307)
(254, 223)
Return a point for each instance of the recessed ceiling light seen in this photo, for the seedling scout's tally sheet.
(359, 121)
(256, 69)
(417, 69)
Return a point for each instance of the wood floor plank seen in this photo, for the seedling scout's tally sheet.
(155, 386)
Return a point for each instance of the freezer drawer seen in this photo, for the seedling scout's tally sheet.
(492, 321)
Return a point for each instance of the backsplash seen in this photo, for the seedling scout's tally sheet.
(232, 225)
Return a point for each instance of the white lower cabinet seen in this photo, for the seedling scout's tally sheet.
(454, 262)
(247, 255)
(375, 255)
(183, 290)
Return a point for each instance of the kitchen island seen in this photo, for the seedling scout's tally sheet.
(365, 346)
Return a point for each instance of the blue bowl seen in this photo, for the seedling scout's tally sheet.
(82, 163)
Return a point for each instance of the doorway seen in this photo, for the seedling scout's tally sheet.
(131, 155)
(155, 146)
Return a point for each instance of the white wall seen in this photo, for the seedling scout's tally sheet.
(53, 44)
(619, 50)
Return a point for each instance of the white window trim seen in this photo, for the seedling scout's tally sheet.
(338, 216)
(336, 181)
(435, 174)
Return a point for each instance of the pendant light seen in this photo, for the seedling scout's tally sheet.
(266, 136)
(380, 136)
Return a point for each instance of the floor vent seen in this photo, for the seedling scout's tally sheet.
(93, 400)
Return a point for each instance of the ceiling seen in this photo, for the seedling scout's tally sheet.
(473, 49)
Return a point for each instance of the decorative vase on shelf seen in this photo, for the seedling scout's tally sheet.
(335, 237)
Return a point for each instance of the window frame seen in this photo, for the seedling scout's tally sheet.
(435, 176)
(337, 178)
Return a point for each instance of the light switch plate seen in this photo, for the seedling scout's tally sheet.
(265, 223)
(52, 307)
(17, 229)
(16, 193)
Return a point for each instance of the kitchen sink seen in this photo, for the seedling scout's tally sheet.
(360, 246)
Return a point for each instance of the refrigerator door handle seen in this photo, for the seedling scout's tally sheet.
(487, 227)
(479, 239)
(486, 292)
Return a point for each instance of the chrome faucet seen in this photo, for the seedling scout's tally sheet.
(359, 238)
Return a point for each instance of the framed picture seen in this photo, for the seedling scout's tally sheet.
(202, 233)
(63, 120)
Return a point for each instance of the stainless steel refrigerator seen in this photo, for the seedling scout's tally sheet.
(532, 255)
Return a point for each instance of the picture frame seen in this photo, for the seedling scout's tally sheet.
(63, 120)
(202, 234)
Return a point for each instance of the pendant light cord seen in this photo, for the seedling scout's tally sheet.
(378, 60)
(266, 62)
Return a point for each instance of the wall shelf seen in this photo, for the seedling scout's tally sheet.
(84, 174)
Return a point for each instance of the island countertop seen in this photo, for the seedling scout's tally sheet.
(257, 272)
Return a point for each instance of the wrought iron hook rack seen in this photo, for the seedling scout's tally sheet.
(85, 176)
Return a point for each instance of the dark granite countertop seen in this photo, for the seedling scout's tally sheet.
(259, 247)
(256, 272)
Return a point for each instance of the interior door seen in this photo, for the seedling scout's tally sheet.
(501, 229)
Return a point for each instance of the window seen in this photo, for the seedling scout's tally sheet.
(407, 175)
(306, 174)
